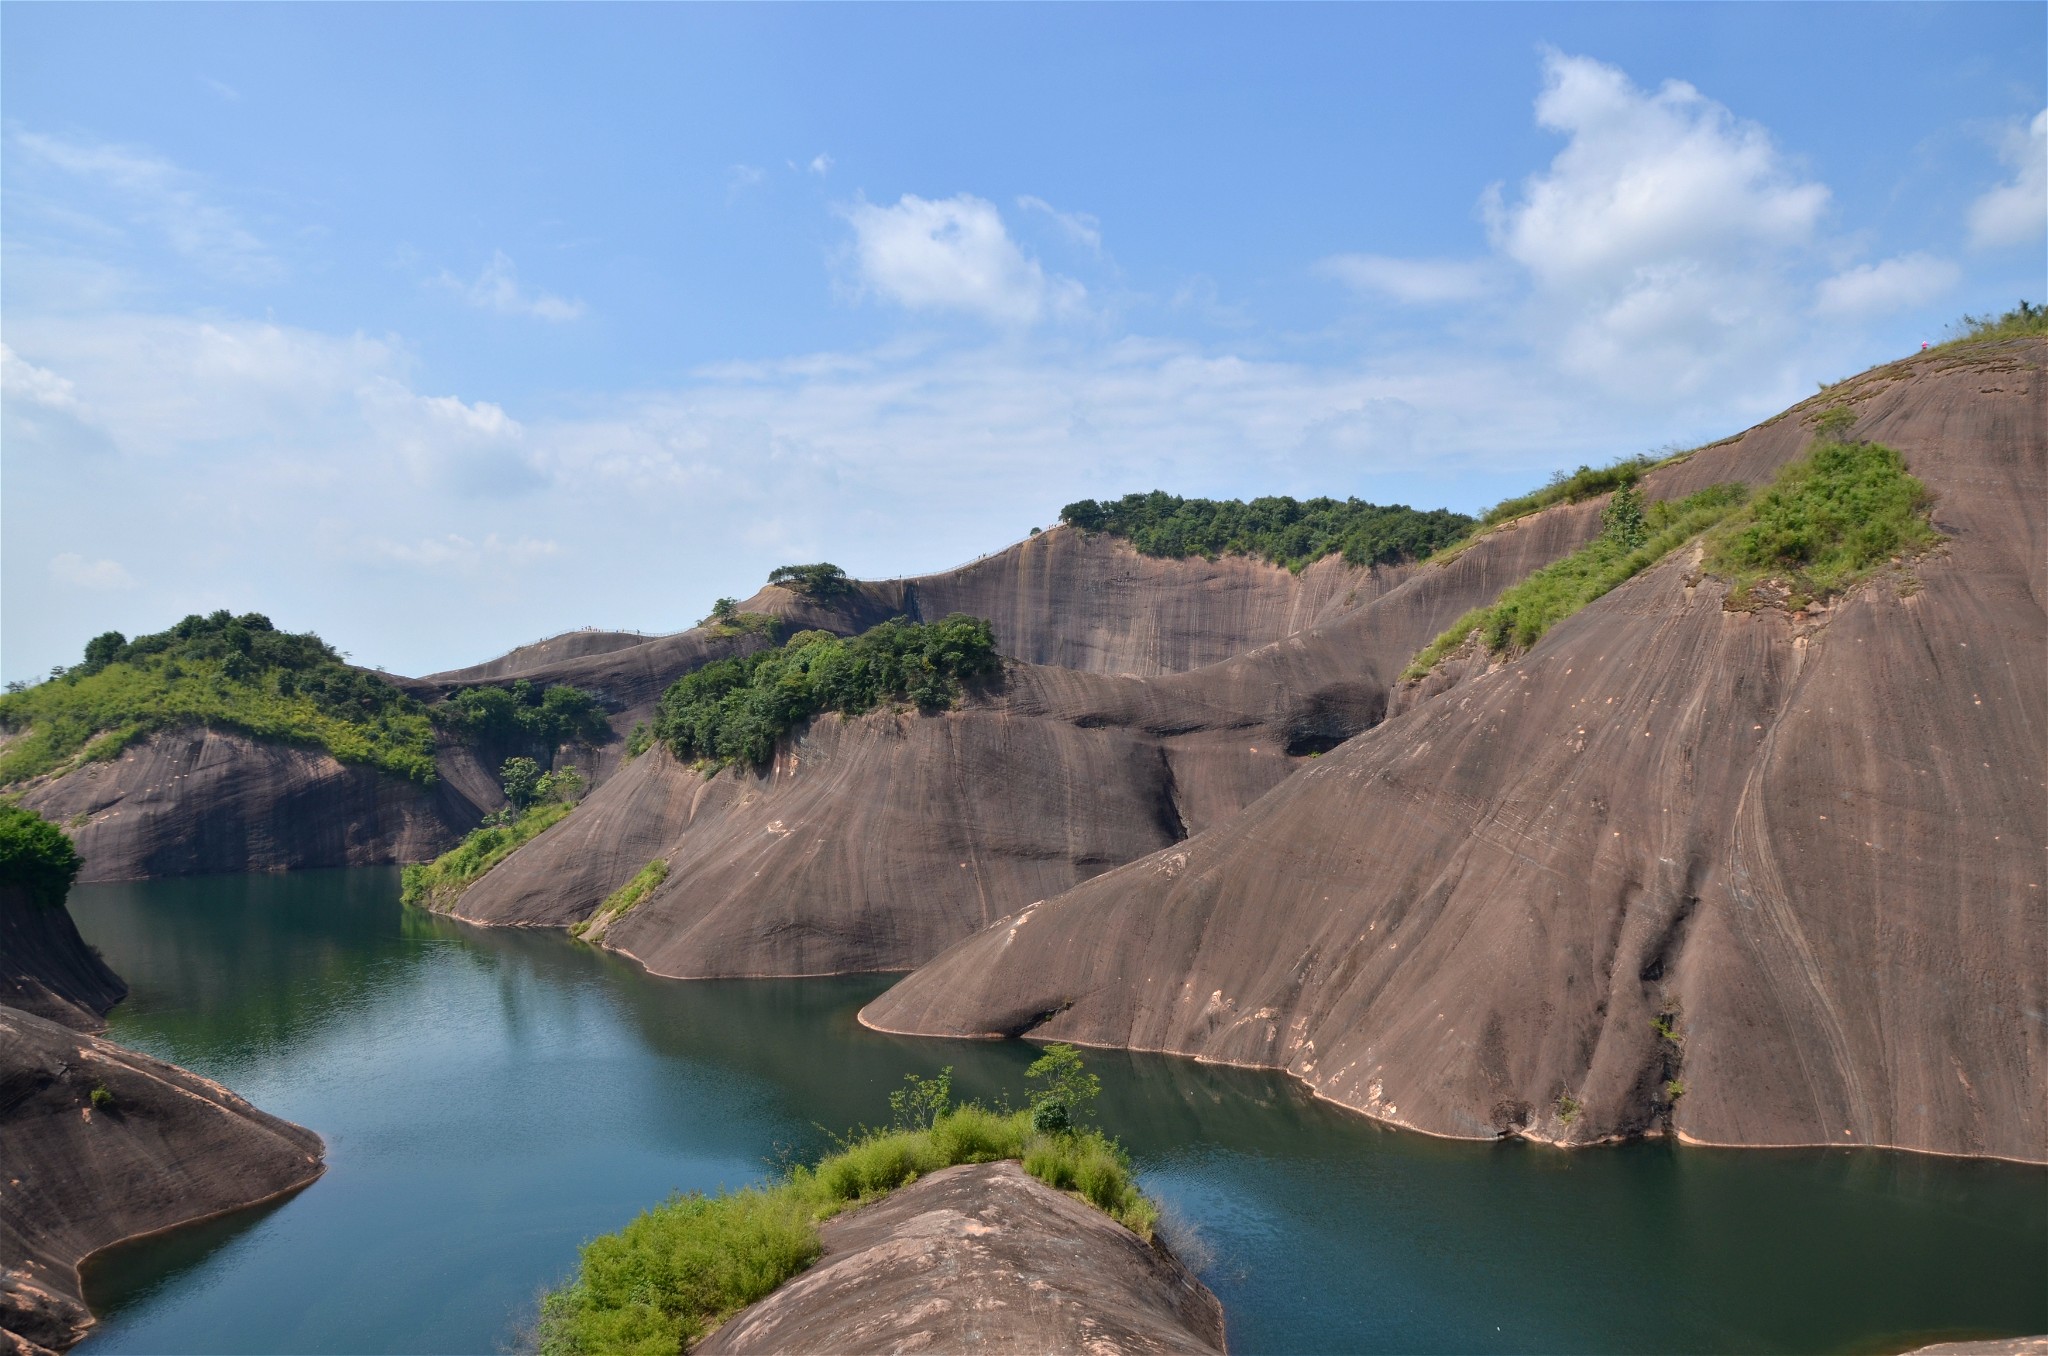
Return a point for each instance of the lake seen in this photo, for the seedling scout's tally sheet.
(491, 1098)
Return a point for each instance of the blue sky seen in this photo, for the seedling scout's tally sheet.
(438, 329)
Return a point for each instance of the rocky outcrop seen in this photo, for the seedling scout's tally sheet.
(1757, 878)
(99, 1144)
(980, 1258)
(47, 969)
(194, 802)
(874, 843)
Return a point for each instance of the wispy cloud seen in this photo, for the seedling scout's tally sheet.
(1887, 286)
(821, 164)
(75, 571)
(954, 254)
(496, 288)
(2016, 212)
(159, 194)
(221, 89)
(1079, 227)
(1416, 282)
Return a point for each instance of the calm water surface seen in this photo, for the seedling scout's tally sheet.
(492, 1098)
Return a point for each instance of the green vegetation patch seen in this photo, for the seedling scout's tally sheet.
(2023, 321)
(621, 901)
(820, 583)
(1291, 532)
(735, 710)
(1827, 521)
(223, 672)
(36, 855)
(439, 883)
(685, 1266)
(1632, 538)
(1588, 482)
(521, 712)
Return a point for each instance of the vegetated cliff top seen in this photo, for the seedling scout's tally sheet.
(242, 674)
(1286, 531)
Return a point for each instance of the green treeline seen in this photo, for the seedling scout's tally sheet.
(683, 1267)
(225, 672)
(525, 713)
(241, 673)
(36, 855)
(734, 710)
(1291, 532)
(1826, 521)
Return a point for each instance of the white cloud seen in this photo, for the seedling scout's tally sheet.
(821, 164)
(1660, 239)
(740, 178)
(954, 254)
(222, 90)
(1080, 227)
(37, 385)
(2015, 213)
(161, 195)
(1647, 179)
(453, 550)
(497, 289)
(1887, 286)
(1413, 281)
(75, 571)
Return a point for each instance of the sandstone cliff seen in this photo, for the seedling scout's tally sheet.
(46, 968)
(980, 1258)
(1764, 879)
(99, 1144)
(196, 802)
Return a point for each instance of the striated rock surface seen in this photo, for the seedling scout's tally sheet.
(165, 1147)
(47, 969)
(1807, 847)
(873, 843)
(980, 1258)
(195, 802)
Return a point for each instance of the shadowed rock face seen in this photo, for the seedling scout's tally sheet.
(170, 1147)
(980, 1258)
(47, 969)
(197, 802)
(1810, 846)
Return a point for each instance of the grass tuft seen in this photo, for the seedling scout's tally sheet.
(685, 1266)
(621, 901)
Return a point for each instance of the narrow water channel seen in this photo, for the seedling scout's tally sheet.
(492, 1098)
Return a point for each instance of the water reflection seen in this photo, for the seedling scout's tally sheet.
(492, 1097)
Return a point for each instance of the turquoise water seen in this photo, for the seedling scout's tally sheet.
(492, 1098)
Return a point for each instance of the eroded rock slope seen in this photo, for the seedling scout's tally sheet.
(160, 1146)
(980, 1258)
(1767, 879)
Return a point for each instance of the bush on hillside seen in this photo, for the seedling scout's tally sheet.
(1291, 532)
(735, 710)
(1828, 520)
(36, 855)
(220, 671)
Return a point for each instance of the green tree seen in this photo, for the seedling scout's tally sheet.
(819, 582)
(521, 779)
(36, 855)
(564, 784)
(1063, 1091)
(1624, 518)
(919, 1103)
(725, 611)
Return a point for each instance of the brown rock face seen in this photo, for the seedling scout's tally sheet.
(47, 969)
(168, 1147)
(1808, 848)
(197, 802)
(873, 843)
(980, 1258)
